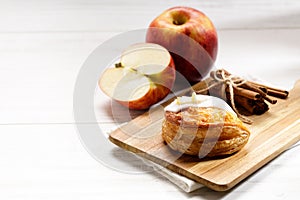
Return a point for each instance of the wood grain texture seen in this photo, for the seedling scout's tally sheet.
(271, 134)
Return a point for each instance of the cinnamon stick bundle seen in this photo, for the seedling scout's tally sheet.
(250, 98)
(250, 106)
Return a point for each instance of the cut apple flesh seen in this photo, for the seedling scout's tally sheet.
(146, 59)
(144, 76)
(123, 84)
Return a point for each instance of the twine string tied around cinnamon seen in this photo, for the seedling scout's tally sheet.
(227, 80)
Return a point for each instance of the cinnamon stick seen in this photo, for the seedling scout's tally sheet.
(278, 94)
(261, 90)
(275, 92)
(260, 107)
(245, 103)
(251, 106)
(245, 93)
(272, 101)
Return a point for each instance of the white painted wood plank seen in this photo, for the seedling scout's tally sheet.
(48, 161)
(117, 15)
(38, 72)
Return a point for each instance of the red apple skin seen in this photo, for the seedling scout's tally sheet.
(191, 38)
(161, 87)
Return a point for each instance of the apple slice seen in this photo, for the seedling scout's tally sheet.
(144, 76)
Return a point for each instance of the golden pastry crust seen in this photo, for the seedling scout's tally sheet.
(204, 131)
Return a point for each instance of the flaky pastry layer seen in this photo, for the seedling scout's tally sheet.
(204, 132)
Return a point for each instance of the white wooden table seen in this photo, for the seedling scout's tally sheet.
(43, 45)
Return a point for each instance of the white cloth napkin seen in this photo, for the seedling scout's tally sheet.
(182, 182)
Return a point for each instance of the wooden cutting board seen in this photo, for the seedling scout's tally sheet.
(271, 134)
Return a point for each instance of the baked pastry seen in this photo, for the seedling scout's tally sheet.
(203, 125)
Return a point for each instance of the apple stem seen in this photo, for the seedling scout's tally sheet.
(118, 65)
(176, 22)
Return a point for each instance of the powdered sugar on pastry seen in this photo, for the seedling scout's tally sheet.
(185, 102)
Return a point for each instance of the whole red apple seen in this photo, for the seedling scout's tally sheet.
(191, 38)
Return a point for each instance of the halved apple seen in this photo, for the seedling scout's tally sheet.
(144, 76)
